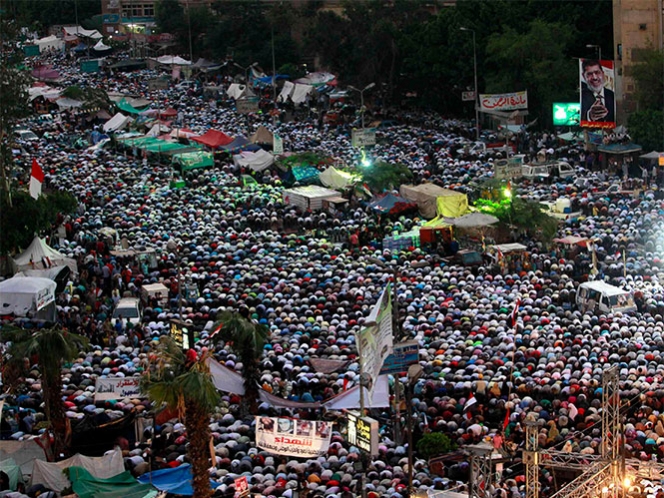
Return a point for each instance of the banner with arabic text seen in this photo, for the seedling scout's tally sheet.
(117, 388)
(504, 101)
(299, 438)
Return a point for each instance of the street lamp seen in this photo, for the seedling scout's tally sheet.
(368, 87)
(599, 50)
(246, 70)
(415, 372)
(175, 248)
(477, 109)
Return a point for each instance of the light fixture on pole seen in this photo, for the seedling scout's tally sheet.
(415, 372)
(361, 92)
(246, 70)
(598, 48)
(477, 97)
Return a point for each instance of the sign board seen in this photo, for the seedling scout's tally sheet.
(182, 334)
(30, 50)
(241, 487)
(467, 96)
(110, 18)
(43, 298)
(298, 438)
(375, 340)
(277, 145)
(247, 105)
(363, 137)
(90, 66)
(117, 388)
(363, 433)
(566, 113)
(404, 354)
(504, 169)
(504, 101)
(157, 84)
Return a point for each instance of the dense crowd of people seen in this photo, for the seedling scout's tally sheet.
(243, 248)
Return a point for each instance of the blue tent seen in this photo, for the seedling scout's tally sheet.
(386, 203)
(175, 481)
(240, 144)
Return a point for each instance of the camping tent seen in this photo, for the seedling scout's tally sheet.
(45, 73)
(39, 256)
(124, 485)
(213, 139)
(433, 200)
(84, 33)
(297, 92)
(116, 123)
(338, 179)
(652, 156)
(239, 143)
(28, 296)
(262, 136)
(237, 91)
(256, 161)
(13, 472)
(391, 203)
(175, 481)
(51, 475)
(50, 43)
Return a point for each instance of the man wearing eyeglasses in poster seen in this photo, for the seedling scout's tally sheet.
(598, 108)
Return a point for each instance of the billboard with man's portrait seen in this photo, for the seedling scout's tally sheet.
(598, 101)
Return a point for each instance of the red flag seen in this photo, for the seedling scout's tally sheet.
(506, 422)
(36, 180)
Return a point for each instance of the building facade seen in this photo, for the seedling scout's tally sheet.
(637, 25)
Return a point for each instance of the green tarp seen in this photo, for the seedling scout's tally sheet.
(125, 106)
(13, 471)
(194, 160)
(121, 486)
(162, 146)
(305, 173)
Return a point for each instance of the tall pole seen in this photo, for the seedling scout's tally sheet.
(477, 97)
(274, 72)
(191, 52)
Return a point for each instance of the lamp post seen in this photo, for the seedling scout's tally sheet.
(415, 372)
(477, 109)
(361, 92)
(598, 48)
(246, 70)
(173, 247)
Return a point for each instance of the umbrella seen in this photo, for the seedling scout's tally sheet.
(474, 220)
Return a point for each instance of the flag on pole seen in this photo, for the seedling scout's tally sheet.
(36, 180)
(514, 313)
(468, 404)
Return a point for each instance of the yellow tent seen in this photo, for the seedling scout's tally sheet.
(433, 200)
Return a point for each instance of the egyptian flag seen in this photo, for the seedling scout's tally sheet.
(468, 404)
(36, 180)
(515, 311)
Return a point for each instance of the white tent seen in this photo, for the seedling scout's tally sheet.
(173, 60)
(297, 92)
(157, 130)
(256, 161)
(116, 123)
(25, 453)
(85, 33)
(337, 179)
(50, 43)
(39, 256)
(51, 475)
(100, 46)
(350, 399)
(237, 91)
(654, 155)
(27, 296)
(67, 103)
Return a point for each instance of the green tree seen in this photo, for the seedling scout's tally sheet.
(646, 128)
(247, 339)
(92, 98)
(169, 16)
(434, 444)
(382, 176)
(51, 347)
(27, 217)
(14, 83)
(649, 83)
(185, 386)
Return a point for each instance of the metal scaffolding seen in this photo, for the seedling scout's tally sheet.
(481, 474)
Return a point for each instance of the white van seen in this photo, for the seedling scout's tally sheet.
(129, 310)
(600, 297)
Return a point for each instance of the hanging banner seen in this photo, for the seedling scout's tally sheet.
(298, 438)
(504, 101)
(117, 388)
(363, 137)
(467, 96)
(247, 105)
(598, 101)
(375, 341)
(43, 298)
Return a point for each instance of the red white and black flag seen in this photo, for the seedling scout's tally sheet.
(515, 312)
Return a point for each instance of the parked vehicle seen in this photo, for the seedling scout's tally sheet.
(25, 135)
(599, 297)
(129, 310)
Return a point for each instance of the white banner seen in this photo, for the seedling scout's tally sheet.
(504, 101)
(363, 137)
(117, 388)
(467, 96)
(375, 341)
(298, 438)
(43, 298)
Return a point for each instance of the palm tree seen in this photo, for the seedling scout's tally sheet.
(51, 346)
(185, 385)
(247, 339)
